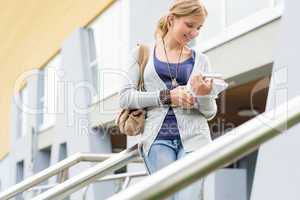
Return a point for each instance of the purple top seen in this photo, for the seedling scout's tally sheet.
(169, 129)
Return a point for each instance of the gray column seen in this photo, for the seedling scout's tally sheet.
(74, 97)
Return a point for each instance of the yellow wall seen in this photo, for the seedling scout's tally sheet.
(31, 33)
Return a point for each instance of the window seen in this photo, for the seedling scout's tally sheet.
(110, 39)
(20, 171)
(63, 154)
(43, 159)
(40, 95)
(93, 64)
(19, 176)
(21, 116)
(62, 151)
(47, 92)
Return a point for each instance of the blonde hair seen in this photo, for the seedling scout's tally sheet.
(180, 8)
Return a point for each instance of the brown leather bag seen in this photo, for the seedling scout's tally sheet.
(131, 121)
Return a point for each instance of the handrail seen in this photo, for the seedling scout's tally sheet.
(222, 151)
(53, 170)
(79, 181)
(235, 144)
(126, 176)
(37, 190)
(123, 175)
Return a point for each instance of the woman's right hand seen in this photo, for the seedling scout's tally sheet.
(181, 97)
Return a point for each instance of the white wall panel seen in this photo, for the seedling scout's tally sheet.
(239, 10)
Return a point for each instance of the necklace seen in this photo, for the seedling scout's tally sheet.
(173, 80)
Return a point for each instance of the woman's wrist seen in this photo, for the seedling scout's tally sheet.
(165, 97)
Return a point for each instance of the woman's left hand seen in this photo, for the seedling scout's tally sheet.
(200, 85)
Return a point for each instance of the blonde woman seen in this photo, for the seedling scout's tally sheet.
(176, 121)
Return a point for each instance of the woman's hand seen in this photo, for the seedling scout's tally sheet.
(180, 97)
(201, 86)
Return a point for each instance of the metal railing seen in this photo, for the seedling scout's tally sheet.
(126, 176)
(81, 180)
(34, 191)
(232, 146)
(235, 144)
(59, 168)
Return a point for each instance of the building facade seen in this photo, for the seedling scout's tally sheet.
(65, 94)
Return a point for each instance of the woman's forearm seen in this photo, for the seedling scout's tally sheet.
(132, 99)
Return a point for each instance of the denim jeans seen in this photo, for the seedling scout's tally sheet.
(163, 153)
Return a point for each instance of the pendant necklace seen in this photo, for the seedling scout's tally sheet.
(173, 80)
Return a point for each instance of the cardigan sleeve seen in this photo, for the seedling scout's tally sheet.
(206, 104)
(129, 96)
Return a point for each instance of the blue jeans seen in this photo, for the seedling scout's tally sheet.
(163, 153)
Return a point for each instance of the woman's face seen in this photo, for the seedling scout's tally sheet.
(185, 29)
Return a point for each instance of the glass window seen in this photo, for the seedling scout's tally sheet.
(20, 171)
(43, 159)
(93, 64)
(41, 95)
(108, 35)
(63, 175)
(24, 113)
(47, 97)
(21, 112)
(19, 115)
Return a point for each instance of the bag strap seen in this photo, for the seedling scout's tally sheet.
(142, 61)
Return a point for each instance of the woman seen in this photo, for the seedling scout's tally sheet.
(176, 121)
